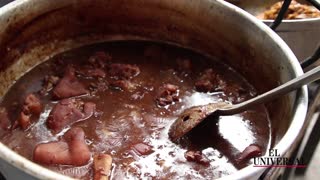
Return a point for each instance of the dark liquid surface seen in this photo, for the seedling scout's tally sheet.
(125, 118)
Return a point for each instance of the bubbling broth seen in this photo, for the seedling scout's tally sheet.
(104, 111)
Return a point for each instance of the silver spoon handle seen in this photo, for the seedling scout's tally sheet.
(285, 88)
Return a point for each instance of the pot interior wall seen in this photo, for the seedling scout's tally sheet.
(38, 32)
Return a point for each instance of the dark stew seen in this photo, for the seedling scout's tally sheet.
(104, 111)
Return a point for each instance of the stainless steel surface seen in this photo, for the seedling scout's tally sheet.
(193, 116)
(302, 35)
(32, 31)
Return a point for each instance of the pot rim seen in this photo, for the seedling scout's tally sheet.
(283, 145)
(301, 104)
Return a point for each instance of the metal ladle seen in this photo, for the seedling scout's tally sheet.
(193, 116)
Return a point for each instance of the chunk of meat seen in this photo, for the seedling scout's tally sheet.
(98, 72)
(92, 72)
(89, 109)
(237, 94)
(142, 149)
(249, 152)
(69, 86)
(24, 120)
(197, 157)
(123, 71)
(5, 122)
(31, 109)
(102, 166)
(71, 150)
(32, 105)
(125, 85)
(100, 59)
(94, 87)
(167, 94)
(69, 111)
(210, 81)
(48, 84)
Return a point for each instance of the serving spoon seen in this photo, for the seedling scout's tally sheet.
(193, 116)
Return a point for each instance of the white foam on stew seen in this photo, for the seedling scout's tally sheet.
(240, 127)
(39, 130)
(197, 99)
(173, 161)
(76, 172)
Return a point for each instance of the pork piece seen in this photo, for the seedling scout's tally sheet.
(70, 150)
(197, 157)
(125, 85)
(210, 81)
(69, 86)
(48, 84)
(99, 59)
(31, 109)
(32, 104)
(96, 73)
(167, 94)
(94, 87)
(249, 152)
(69, 111)
(142, 149)
(102, 166)
(5, 122)
(123, 71)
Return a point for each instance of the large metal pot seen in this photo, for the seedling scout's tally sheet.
(34, 30)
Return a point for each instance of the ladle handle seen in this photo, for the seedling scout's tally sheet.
(289, 86)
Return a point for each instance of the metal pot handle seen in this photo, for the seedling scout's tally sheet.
(310, 60)
(281, 14)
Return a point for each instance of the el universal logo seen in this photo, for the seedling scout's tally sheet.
(274, 159)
